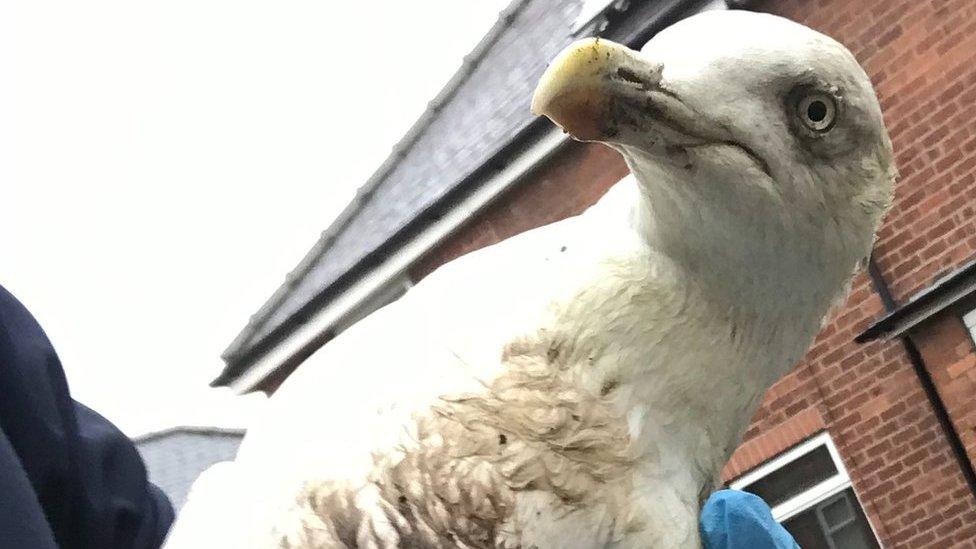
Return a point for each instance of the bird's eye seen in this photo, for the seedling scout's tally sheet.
(817, 111)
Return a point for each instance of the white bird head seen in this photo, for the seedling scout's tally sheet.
(757, 141)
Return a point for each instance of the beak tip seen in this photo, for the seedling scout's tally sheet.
(572, 90)
(536, 106)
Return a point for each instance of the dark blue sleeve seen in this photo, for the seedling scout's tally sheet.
(126, 510)
(731, 519)
(22, 523)
(60, 461)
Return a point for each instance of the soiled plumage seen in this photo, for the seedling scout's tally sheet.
(581, 385)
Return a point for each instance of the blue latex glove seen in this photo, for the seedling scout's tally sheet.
(732, 519)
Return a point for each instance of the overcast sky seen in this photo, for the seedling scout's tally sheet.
(163, 165)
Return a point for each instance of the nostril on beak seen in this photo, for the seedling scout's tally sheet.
(630, 76)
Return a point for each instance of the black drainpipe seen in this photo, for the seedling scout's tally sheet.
(925, 378)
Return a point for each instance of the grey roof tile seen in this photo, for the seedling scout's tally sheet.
(175, 457)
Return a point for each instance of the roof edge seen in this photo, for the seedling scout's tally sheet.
(192, 429)
(645, 18)
(468, 64)
(945, 292)
(537, 142)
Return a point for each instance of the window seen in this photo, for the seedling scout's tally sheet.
(969, 319)
(811, 496)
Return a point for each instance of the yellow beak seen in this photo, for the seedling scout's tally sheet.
(579, 88)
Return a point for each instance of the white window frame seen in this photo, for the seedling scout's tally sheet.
(969, 319)
(811, 496)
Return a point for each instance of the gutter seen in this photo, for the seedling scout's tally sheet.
(306, 337)
(945, 292)
(915, 357)
(234, 351)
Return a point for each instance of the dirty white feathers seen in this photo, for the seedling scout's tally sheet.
(581, 385)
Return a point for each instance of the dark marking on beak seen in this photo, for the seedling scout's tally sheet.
(630, 76)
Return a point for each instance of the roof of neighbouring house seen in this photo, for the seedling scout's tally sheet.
(175, 457)
(482, 110)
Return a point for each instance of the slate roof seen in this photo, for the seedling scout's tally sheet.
(482, 110)
(175, 457)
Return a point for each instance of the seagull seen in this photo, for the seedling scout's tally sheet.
(581, 385)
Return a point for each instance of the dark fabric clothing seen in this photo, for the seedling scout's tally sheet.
(69, 479)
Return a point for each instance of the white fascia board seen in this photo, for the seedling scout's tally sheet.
(588, 12)
(397, 264)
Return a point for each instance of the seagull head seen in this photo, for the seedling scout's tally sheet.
(758, 143)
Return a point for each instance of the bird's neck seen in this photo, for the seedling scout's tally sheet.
(767, 291)
(741, 251)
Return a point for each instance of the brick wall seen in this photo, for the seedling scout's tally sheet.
(921, 55)
(947, 349)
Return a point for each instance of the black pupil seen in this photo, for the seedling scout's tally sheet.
(817, 111)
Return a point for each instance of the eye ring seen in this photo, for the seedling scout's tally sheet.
(817, 111)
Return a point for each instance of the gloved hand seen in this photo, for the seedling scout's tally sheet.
(732, 519)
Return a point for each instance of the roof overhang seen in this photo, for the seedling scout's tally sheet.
(630, 23)
(946, 292)
(300, 342)
(190, 430)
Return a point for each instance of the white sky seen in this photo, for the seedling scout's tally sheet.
(164, 164)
